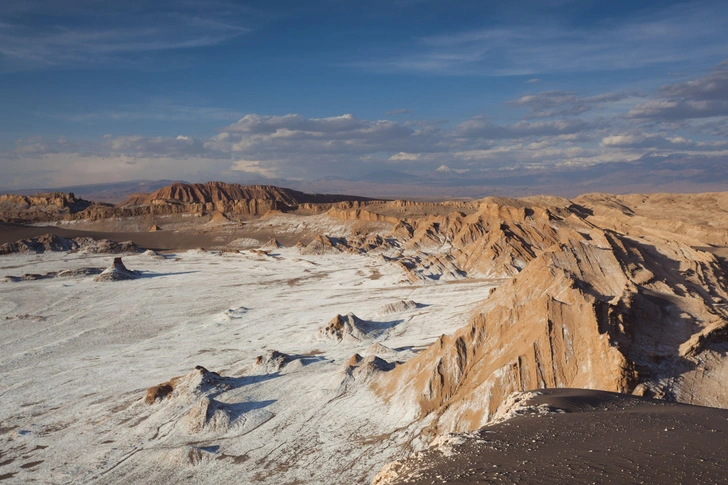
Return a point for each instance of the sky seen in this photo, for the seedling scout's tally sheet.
(96, 91)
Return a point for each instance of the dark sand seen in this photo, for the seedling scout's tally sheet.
(158, 241)
(603, 438)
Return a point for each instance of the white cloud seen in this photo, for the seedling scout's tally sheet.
(294, 146)
(483, 128)
(549, 104)
(659, 141)
(142, 146)
(404, 156)
(704, 97)
(254, 167)
(296, 135)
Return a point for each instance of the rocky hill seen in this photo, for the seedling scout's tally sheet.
(177, 198)
(43, 207)
(219, 192)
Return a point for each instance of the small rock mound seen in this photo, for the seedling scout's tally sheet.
(362, 368)
(323, 244)
(343, 328)
(79, 272)
(40, 244)
(66, 273)
(208, 415)
(217, 219)
(27, 277)
(272, 244)
(150, 254)
(372, 364)
(117, 272)
(273, 361)
(397, 307)
(190, 402)
(99, 246)
(189, 456)
(235, 313)
(197, 380)
(382, 351)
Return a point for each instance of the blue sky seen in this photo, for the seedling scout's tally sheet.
(99, 91)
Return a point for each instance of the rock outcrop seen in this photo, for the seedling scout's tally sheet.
(117, 272)
(345, 328)
(43, 207)
(66, 273)
(51, 242)
(397, 307)
(599, 312)
(361, 369)
(271, 245)
(272, 361)
(191, 403)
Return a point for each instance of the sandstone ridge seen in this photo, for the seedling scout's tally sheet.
(635, 311)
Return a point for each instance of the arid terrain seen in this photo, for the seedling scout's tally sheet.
(217, 332)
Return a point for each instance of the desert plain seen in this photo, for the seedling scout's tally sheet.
(261, 335)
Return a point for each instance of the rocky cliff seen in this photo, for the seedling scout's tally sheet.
(585, 307)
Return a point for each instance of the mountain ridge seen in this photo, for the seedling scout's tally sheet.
(213, 192)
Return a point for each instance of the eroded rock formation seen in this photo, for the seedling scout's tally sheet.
(591, 308)
(51, 242)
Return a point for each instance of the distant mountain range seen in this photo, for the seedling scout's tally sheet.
(650, 173)
(109, 192)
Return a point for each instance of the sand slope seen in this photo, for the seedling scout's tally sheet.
(566, 436)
